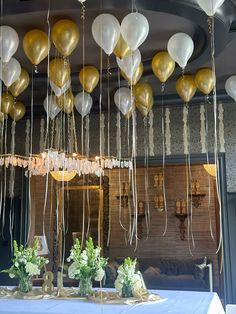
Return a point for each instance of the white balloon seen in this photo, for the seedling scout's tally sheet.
(9, 42)
(230, 87)
(60, 90)
(134, 29)
(123, 100)
(210, 6)
(180, 47)
(106, 32)
(10, 71)
(83, 103)
(130, 63)
(50, 106)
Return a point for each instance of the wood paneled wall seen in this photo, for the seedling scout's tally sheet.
(170, 245)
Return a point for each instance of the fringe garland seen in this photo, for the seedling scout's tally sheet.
(41, 142)
(151, 134)
(167, 132)
(221, 129)
(185, 130)
(203, 129)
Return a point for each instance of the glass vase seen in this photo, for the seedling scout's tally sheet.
(127, 291)
(85, 286)
(25, 284)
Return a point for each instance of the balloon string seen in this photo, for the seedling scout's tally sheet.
(108, 106)
(211, 22)
(207, 156)
(147, 208)
(163, 158)
(1, 168)
(5, 181)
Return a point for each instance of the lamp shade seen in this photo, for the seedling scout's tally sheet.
(63, 175)
(210, 169)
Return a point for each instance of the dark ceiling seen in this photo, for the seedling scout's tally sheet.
(165, 17)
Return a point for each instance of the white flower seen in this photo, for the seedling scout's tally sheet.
(32, 269)
(118, 284)
(16, 264)
(73, 270)
(137, 284)
(11, 275)
(100, 274)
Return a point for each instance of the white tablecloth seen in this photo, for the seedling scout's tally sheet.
(177, 302)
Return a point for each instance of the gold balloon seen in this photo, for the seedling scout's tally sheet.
(143, 97)
(89, 78)
(163, 66)
(21, 84)
(59, 71)
(18, 111)
(36, 45)
(136, 76)
(186, 87)
(121, 49)
(65, 36)
(7, 102)
(66, 102)
(204, 80)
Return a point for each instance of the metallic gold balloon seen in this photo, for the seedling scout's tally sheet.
(163, 66)
(121, 49)
(136, 76)
(143, 97)
(7, 103)
(21, 84)
(18, 111)
(36, 45)
(66, 102)
(65, 36)
(204, 80)
(89, 78)
(186, 87)
(59, 71)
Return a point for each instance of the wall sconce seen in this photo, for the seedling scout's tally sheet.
(159, 202)
(124, 197)
(196, 195)
(181, 214)
(158, 180)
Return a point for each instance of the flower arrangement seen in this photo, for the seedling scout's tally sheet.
(128, 280)
(87, 265)
(25, 264)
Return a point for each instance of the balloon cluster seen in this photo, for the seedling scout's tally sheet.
(15, 78)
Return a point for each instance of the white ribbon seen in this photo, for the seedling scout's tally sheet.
(168, 132)
(221, 128)
(203, 129)
(151, 134)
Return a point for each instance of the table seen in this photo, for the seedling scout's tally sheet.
(177, 302)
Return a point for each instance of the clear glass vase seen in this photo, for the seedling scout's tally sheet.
(25, 284)
(127, 291)
(85, 286)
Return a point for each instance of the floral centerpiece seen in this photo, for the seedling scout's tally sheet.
(25, 264)
(87, 265)
(128, 280)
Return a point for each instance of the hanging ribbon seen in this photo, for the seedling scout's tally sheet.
(203, 129)
(27, 137)
(167, 132)
(151, 134)
(185, 130)
(118, 135)
(102, 126)
(41, 141)
(87, 128)
(221, 129)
